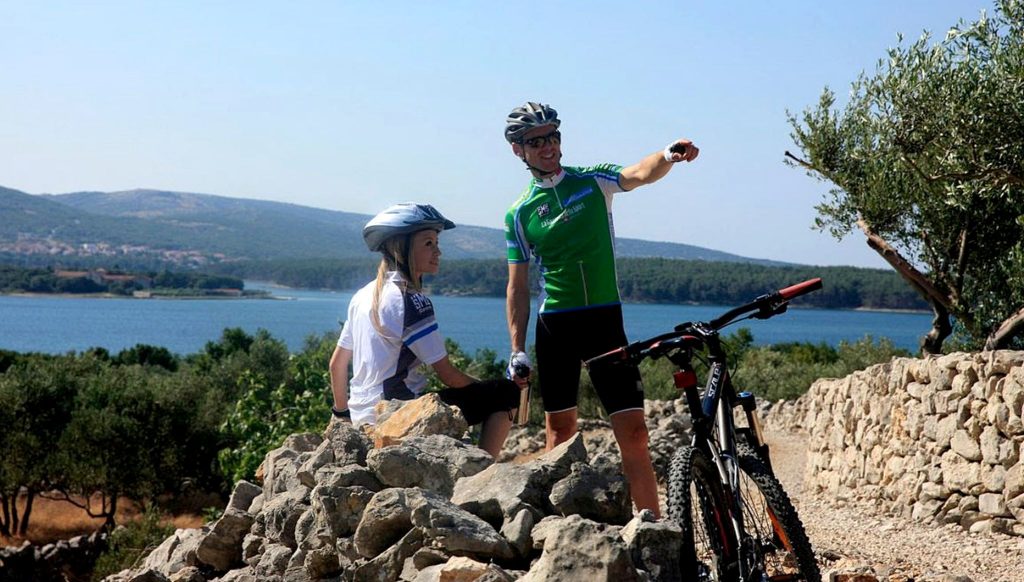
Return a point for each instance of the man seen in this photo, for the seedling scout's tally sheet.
(563, 220)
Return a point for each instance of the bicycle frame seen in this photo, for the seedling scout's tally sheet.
(714, 428)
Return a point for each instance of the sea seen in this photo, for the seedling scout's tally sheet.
(59, 324)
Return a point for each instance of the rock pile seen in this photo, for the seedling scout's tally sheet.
(937, 440)
(425, 506)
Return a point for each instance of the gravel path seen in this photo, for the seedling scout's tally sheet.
(852, 536)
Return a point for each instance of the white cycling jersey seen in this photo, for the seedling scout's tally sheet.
(384, 366)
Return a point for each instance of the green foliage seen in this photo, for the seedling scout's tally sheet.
(266, 412)
(146, 355)
(483, 365)
(787, 373)
(35, 280)
(136, 433)
(222, 363)
(129, 544)
(776, 372)
(36, 397)
(929, 154)
(212, 514)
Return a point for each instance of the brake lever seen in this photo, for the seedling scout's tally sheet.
(771, 310)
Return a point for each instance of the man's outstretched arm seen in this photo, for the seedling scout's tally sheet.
(654, 167)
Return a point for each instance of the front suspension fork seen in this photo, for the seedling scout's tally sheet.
(754, 430)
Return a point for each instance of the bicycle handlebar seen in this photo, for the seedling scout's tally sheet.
(800, 288)
(689, 334)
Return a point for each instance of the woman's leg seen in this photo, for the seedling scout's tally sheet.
(493, 432)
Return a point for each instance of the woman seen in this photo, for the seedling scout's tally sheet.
(390, 331)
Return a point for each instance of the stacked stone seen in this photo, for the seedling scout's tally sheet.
(420, 508)
(62, 560)
(936, 439)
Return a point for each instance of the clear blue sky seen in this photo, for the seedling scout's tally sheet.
(355, 105)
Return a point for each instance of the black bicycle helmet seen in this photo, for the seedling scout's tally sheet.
(404, 218)
(523, 119)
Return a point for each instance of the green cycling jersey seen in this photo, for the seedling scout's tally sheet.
(565, 224)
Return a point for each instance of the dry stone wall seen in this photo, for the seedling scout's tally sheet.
(936, 439)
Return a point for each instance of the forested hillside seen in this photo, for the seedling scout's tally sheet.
(640, 280)
(158, 229)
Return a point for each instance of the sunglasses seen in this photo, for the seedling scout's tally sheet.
(555, 137)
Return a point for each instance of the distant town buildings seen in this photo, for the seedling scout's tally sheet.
(29, 245)
(103, 277)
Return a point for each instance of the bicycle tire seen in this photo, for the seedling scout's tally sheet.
(783, 548)
(709, 547)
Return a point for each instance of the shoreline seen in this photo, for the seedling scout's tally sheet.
(269, 295)
(116, 296)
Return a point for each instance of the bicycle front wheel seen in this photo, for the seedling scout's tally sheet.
(779, 541)
(696, 502)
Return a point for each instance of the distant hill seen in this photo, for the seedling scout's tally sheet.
(222, 228)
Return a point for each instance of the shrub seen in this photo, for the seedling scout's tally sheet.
(267, 413)
(128, 544)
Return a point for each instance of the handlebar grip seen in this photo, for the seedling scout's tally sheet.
(800, 288)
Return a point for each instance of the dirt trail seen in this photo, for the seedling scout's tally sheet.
(848, 534)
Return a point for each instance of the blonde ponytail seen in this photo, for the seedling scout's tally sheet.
(395, 257)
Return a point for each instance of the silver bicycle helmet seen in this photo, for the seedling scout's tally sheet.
(523, 119)
(404, 218)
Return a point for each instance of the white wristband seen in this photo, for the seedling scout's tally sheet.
(668, 152)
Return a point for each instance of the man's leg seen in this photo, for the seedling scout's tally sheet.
(559, 427)
(493, 432)
(631, 433)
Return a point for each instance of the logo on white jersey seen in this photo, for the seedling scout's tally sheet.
(420, 302)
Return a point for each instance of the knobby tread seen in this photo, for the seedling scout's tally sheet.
(779, 503)
(689, 466)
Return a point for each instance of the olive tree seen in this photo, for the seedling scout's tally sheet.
(36, 401)
(927, 160)
(135, 432)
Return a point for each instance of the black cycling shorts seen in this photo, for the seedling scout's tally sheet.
(479, 400)
(565, 339)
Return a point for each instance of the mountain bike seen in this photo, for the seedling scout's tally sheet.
(738, 522)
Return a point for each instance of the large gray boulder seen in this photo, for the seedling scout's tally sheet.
(593, 494)
(386, 518)
(281, 514)
(391, 513)
(432, 462)
(176, 552)
(501, 491)
(221, 547)
(580, 550)
(388, 565)
(654, 546)
(457, 531)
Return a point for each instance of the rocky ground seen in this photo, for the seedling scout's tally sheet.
(852, 536)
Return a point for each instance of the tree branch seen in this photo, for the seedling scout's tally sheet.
(961, 257)
(86, 505)
(909, 273)
(800, 161)
(1006, 331)
(1001, 176)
